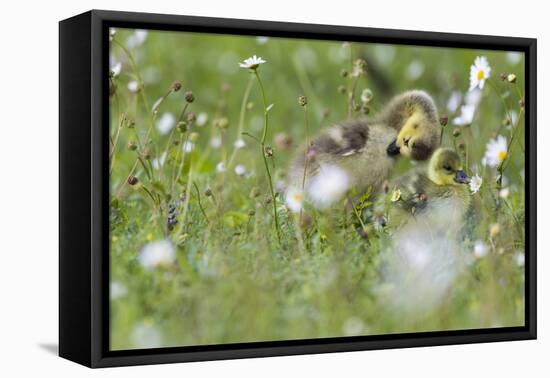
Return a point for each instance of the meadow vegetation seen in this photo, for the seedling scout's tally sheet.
(206, 248)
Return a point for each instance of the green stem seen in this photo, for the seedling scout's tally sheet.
(262, 145)
(242, 113)
(200, 203)
(358, 216)
(305, 157)
(136, 71)
(512, 138)
(501, 97)
(307, 146)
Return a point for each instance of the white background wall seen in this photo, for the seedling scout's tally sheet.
(29, 186)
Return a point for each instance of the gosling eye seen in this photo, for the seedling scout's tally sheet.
(448, 168)
(406, 141)
(415, 126)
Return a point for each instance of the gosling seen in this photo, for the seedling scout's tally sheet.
(435, 197)
(366, 150)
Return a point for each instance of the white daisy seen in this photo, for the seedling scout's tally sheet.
(294, 199)
(479, 72)
(466, 115)
(240, 169)
(117, 290)
(159, 162)
(328, 186)
(188, 146)
(220, 167)
(252, 63)
(415, 69)
(151, 75)
(353, 326)
(239, 143)
(475, 183)
(496, 152)
(480, 249)
(262, 40)
(202, 118)
(504, 193)
(473, 97)
(520, 258)
(157, 253)
(513, 57)
(165, 123)
(133, 86)
(454, 101)
(115, 69)
(216, 142)
(146, 335)
(136, 39)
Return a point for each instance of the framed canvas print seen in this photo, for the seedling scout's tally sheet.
(233, 188)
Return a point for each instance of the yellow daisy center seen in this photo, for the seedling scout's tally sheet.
(501, 155)
(298, 197)
(480, 74)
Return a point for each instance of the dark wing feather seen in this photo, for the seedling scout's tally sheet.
(352, 138)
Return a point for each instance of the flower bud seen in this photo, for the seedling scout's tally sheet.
(208, 192)
(132, 146)
(255, 192)
(268, 151)
(302, 100)
(194, 136)
(366, 96)
(341, 89)
(511, 78)
(456, 133)
(222, 123)
(444, 120)
(359, 67)
(191, 117)
(182, 126)
(189, 97)
(176, 85)
(344, 73)
(132, 180)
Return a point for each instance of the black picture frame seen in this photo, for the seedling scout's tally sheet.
(83, 195)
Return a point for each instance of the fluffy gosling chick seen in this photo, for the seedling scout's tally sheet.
(414, 116)
(366, 149)
(435, 197)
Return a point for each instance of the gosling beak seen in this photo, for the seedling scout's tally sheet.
(393, 149)
(461, 177)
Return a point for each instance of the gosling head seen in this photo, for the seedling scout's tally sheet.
(445, 168)
(415, 117)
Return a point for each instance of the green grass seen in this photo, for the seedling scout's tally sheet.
(232, 280)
